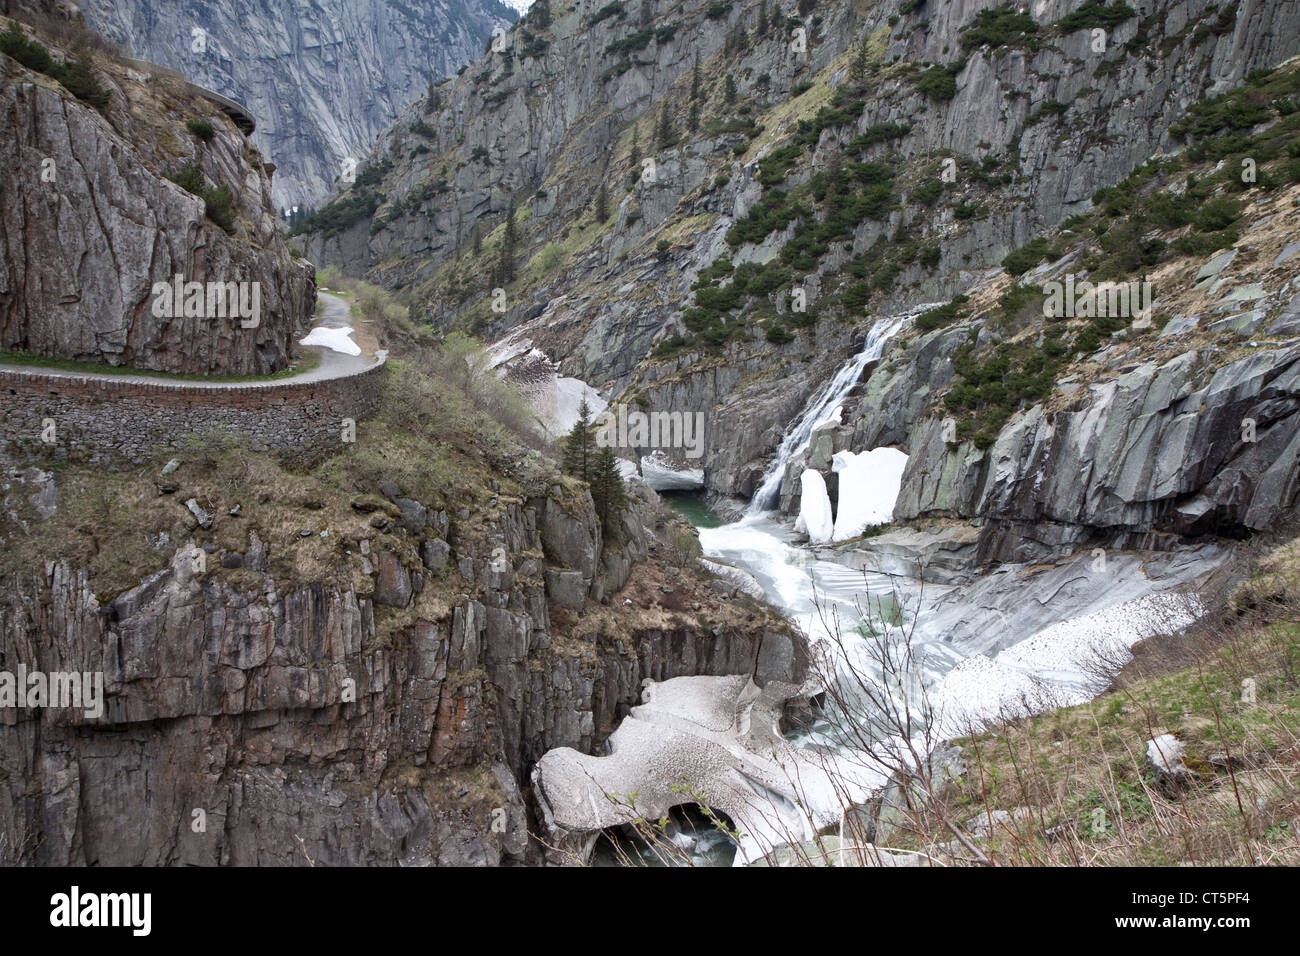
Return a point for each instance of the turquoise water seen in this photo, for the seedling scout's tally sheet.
(691, 506)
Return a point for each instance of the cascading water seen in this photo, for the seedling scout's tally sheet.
(823, 407)
(895, 679)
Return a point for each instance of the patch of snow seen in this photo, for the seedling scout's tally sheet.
(1058, 666)
(815, 507)
(568, 394)
(335, 339)
(869, 484)
(553, 398)
(661, 474)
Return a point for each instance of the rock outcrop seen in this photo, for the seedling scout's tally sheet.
(1180, 448)
(322, 78)
(91, 223)
(250, 719)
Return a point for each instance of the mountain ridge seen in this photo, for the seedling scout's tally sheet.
(321, 78)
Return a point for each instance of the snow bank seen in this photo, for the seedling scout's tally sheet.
(554, 398)
(335, 339)
(815, 507)
(566, 395)
(869, 484)
(663, 474)
(1058, 666)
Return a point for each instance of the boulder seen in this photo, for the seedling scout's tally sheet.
(434, 553)
(393, 585)
(1165, 758)
(566, 588)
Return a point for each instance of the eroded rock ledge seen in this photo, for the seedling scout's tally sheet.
(252, 719)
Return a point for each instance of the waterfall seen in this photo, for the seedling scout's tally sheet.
(824, 405)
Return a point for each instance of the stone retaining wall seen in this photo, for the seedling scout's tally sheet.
(100, 421)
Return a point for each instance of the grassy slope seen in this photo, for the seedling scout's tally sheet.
(427, 438)
(1082, 775)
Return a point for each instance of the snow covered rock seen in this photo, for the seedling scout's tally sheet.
(1165, 757)
(720, 734)
(742, 580)
(663, 474)
(869, 484)
(815, 507)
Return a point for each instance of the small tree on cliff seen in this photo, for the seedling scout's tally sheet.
(509, 242)
(580, 445)
(861, 64)
(607, 491)
(598, 467)
(634, 158)
(504, 271)
(665, 133)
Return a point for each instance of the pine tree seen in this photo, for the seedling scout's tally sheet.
(729, 91)
(508, 243)
(539, 14)
(602, 204)
(695, 81)
(693, 118)
(762, 20)
(665, 127)
(834, 175)
(607, 491)
(858, 71)
(476, 241)
(580, 446)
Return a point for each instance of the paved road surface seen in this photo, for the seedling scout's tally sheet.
(332, 364)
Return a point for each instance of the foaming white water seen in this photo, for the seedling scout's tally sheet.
(824, 406)
(817, 595)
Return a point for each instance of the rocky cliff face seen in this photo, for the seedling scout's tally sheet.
(1162, 448)
(92, 222)
(356, 661)
(544, 121)
(989, 127)
(385, 717)
(1057, 168)
(323, 79)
